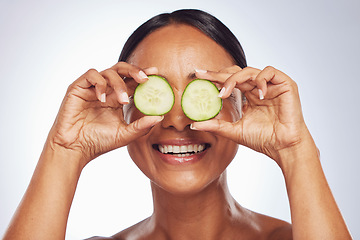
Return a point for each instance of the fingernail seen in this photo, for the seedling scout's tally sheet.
(261, 94)
(222, 91)
(143, 75)
(160, 118)
(124, 97)
(192, 127)
(103, 97)
(200, 71)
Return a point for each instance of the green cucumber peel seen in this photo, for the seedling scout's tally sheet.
(154, 97)
(200, 100)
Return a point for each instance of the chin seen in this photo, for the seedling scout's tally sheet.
(182, 174)
(182, 162)
(184, 183)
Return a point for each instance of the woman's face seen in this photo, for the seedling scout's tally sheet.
(177, 50)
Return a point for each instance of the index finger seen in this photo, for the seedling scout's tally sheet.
(132, 84)
(128, 70)
(219, 77)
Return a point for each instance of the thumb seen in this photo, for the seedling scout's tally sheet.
(219, 127)
(139, 128)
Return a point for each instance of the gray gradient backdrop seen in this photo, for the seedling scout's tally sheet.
(46, 45)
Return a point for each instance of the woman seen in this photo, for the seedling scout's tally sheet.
(191, 197)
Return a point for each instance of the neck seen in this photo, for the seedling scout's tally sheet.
(204, 213)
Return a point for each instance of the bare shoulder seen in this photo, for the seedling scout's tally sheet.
(137, 231)
(129, 233)
(258, 226)
(273, 228)
(281, 232)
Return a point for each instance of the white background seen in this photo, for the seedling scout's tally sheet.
(46, 45)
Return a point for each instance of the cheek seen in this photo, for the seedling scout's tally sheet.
(133, 150)
(225, 151)
(139, 153)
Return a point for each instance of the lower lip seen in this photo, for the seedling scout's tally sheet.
(175, 160)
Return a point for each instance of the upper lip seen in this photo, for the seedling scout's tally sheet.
(180, 142)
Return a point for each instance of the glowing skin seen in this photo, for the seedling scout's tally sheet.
(177, 51)
(186, 165)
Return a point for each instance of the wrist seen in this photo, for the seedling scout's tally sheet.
(45, 207)
(314, 212)
(63, 157)
(304, 152)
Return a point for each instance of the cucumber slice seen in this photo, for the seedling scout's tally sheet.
(200, 100)
(154, 97)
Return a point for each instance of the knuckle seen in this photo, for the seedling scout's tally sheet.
(249, 68)
(121, 63)
(294, 85)
(92, 72)
(269, 68)
(70, 87)
(109, 73)
(121, 66)
(232, 69)
(118, 65)
(231, 81)
(134, 70)
(237, 68)
(134, 127)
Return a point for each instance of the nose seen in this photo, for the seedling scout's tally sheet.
(176, 118)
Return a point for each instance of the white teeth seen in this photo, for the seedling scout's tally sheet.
(176, 149)
(201, 148)
(190, 148)
(161, 149)
(170, 148)
(183, 150)
(196, 147)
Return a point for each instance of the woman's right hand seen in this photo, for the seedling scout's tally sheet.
(90, 121)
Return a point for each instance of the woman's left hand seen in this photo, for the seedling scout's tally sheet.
(272, 118)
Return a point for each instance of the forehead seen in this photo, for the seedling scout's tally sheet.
(180, 49)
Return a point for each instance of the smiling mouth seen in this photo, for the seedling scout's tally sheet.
(181, 150)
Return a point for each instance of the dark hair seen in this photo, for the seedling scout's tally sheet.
(205, 22)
